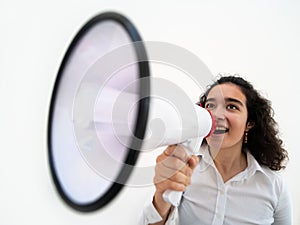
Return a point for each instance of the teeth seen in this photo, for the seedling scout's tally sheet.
(221, 128)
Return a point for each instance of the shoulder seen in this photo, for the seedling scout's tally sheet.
(272, 179)
(276, 183)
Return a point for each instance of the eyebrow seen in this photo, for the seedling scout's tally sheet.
(226, 100)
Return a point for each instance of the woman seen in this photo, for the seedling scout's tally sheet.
(234, 180)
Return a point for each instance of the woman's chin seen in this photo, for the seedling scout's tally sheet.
(215, 140)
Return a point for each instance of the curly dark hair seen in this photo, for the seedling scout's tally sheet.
(263, 141)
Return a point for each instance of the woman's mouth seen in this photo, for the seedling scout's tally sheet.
(221, 130)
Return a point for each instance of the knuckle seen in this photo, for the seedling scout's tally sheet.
(177, 186)
(188, 181)
(159, 158)
(176, 177)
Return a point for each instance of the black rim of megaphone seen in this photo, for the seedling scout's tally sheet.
(141, 123)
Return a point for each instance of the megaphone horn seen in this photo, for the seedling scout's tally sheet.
(103, 113)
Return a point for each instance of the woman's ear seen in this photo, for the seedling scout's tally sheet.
(250, 124)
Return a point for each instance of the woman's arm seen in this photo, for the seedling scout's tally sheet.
(283, 211)
(173, 171)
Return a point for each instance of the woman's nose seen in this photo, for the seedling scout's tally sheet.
(219, 112)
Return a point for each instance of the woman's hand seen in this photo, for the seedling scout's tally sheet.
(173, 171)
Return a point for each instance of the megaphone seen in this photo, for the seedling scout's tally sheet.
(170, 121)
(105, 109)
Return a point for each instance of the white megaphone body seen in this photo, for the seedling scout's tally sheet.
(173, 119)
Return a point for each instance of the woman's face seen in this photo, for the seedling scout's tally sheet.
(228, 104)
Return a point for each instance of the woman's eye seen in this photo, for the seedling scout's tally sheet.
(232, 107)
(209, 106)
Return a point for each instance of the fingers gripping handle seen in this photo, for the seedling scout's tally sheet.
(191, 146)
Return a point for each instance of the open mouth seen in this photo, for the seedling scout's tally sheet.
(221, 130)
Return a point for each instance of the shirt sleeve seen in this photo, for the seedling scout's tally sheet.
(150, 216)
(173, 217)
(283, 211)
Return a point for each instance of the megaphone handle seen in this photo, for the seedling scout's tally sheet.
(174, 197)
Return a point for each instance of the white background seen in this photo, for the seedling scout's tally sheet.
(258, 39)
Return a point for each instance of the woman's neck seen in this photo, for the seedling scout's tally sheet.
(230, 162)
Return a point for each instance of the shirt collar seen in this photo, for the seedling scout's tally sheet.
(204, 154)
(253, 165)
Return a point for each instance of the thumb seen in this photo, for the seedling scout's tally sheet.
(193, 161)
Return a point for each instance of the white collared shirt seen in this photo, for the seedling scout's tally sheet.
(256, 195)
